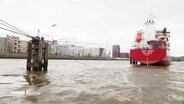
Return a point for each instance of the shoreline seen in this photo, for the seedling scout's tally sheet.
(54, 57)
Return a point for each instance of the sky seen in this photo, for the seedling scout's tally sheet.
(95, 22)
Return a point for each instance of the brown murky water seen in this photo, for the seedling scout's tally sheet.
(91, 82)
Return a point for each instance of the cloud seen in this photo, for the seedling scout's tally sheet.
(99, 21)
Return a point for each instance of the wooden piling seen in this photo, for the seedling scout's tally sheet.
(37, 56)
(29, 55)
(131, 60)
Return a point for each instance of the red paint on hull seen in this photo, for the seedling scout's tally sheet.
(151, 56)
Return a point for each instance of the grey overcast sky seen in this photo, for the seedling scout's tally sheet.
(95, 21)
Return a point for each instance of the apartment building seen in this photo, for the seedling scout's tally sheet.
(12, 44)
(22, 46)
(3, 42)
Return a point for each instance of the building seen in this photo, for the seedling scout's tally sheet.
(88, 52)
(12, 44)
(95, 52)
(3, 42)
(124, 55)
(101, 52)
(115, 51)
(77, 51)
(63, 50)
(22, 46)
(53, 49)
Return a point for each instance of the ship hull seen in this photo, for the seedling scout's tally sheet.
(151, 56)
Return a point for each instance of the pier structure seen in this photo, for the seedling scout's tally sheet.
(37, 55)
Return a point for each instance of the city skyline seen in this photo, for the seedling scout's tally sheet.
(95, 21)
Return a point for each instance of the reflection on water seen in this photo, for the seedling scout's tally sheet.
(93, 82)
(36, 78)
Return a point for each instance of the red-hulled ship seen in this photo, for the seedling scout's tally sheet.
(151, 47)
